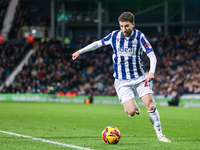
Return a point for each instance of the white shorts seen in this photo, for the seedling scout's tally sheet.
(127, 89)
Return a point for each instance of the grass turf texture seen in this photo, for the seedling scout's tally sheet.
(82, 125)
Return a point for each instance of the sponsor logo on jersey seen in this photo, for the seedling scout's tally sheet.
(127, 50)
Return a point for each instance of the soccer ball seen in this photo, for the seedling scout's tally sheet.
(111, 135)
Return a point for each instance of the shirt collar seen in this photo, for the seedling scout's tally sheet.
(131, 37)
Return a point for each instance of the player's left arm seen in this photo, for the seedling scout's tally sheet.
(147, 48)
(153, 62)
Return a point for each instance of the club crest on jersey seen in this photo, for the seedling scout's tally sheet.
(134, 42)
(117, 39)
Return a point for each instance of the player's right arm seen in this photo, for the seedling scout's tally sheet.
(93, 46)
(75, 55)
(90, 47)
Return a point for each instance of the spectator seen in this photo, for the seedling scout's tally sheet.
(52, 64)
(175, 100)
(30, 38)
(67, 41)
(1, 39)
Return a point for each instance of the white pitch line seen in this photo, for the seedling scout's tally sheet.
(47, 141)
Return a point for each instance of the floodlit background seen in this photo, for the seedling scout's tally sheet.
(43, 92)
(60, 27)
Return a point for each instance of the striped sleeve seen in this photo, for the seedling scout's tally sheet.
(146, 46)
(106, 40)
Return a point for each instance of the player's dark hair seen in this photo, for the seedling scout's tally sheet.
(127, 16)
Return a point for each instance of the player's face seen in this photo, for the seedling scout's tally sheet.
(126, 28)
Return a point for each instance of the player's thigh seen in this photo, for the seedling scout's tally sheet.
(148, 101)
(143, 88)
(127, 98)
(125, 93)
(145, 92)
(129, 105)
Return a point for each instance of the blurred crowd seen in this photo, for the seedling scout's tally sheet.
(10, 56)
(51, 70)
(178, 66)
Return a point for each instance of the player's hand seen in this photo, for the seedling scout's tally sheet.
(150, 77)
(75, 55)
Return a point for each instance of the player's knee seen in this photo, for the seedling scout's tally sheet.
(131, 112)
(150, 106)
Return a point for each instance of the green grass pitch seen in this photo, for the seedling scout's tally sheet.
(82, 125)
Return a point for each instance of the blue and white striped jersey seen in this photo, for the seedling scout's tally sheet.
(127, 52)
